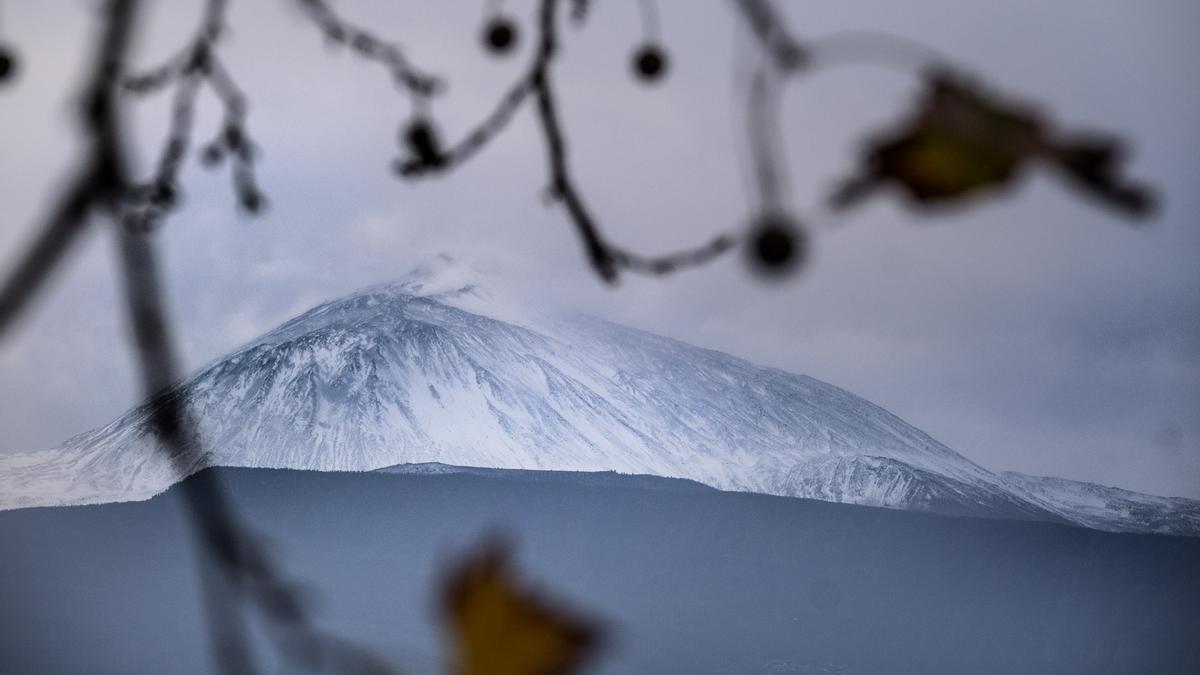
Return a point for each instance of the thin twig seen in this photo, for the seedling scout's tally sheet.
(233, 564)
(861, 47)
(769, 27)
(421, 85)
(561, 185)
(479, 136)
(763, 125)
(605, 258)
(97, 177)
(198, 63)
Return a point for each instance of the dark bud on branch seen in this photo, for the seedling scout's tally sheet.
(212, 155)
(422, 143)
(8, 64)
(252, 200)
(364, 44)
(164, 195)
(649, 63)
(579, 10)
(335, 35)
(500, 36)
(234, 139)
(199, 62)
(777, 246)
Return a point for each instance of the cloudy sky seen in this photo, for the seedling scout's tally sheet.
(1035, 332)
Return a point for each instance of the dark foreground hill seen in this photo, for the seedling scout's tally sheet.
(690, 580)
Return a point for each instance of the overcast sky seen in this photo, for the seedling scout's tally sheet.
(1035, 332)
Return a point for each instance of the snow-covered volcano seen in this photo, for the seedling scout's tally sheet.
(434, 369)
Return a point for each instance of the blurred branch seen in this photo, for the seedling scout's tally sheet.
(198, 63)
(246, 570)
(366, 45)
(561, 185)
(860, 47)
(768, 25)
(762, 118)
(99, 179)
(476, 139)
(783, 53)
(212, 25)
(233, 563)
(605, 258)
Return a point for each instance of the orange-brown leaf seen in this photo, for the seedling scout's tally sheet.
(498, 627)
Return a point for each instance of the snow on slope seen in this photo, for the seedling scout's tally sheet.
(1109, 508)
(434, 368)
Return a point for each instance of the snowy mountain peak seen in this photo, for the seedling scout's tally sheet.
(435, 368)
(443, 278)
(459, 284)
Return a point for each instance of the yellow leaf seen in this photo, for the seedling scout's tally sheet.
(499, 628)
(961, 141)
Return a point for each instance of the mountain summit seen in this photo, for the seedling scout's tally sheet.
(435, 368)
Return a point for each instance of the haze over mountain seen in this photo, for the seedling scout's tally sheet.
(439, 368)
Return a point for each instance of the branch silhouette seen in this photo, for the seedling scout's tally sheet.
(234, 566)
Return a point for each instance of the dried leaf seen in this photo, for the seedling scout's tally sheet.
(963, 141)
(499, 628)
(958, 143)
(1090, 160)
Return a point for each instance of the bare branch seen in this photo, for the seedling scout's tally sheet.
(149, 203)
(99, 176)
(479, 136)
(605, 259)
(366, 45)
(771, 30)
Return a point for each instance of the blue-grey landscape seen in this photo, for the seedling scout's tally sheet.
(569, 337)
(692, 580)
(389, 429)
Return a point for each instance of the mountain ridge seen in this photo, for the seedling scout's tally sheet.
(436, 368)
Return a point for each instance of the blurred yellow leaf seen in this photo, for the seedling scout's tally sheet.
(962, 141)
(499, 628)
